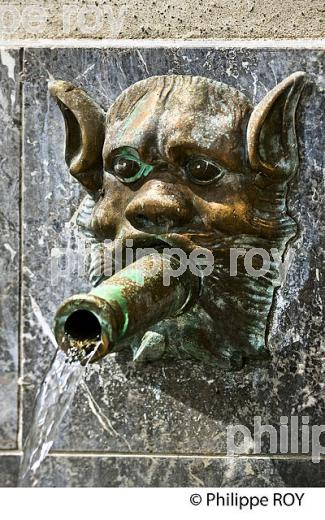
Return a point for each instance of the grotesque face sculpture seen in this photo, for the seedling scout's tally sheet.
(187, 162)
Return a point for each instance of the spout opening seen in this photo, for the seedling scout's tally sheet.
(82, 325)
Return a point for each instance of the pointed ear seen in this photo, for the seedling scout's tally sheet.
(85, 129)
(271, 134)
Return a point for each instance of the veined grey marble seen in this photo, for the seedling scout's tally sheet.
(166, 408)
(178, 472)
(137, 471)
(9, 243)
(9, 468)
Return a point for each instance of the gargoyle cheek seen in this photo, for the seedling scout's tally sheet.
(227, 218)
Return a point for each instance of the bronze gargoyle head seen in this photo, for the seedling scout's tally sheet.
(187, 162)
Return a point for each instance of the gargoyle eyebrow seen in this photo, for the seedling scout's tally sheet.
(180, 154)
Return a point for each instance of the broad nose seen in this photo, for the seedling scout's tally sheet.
(159, 207)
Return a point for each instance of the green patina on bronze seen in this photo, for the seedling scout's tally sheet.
(135, 275)
(144, 169)
(114, 293)
(203, 168)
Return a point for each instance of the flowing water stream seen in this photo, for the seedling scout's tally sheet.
(52, 403)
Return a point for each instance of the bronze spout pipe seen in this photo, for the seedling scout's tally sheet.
(126, 304)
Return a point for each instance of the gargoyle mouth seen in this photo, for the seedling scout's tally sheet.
(150, 242)
(169, 242)
(107, 258)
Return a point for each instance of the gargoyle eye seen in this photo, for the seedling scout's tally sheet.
(128, 167)
(203, 171)
(125, 169)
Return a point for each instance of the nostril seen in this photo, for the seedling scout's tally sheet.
(141, 220)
